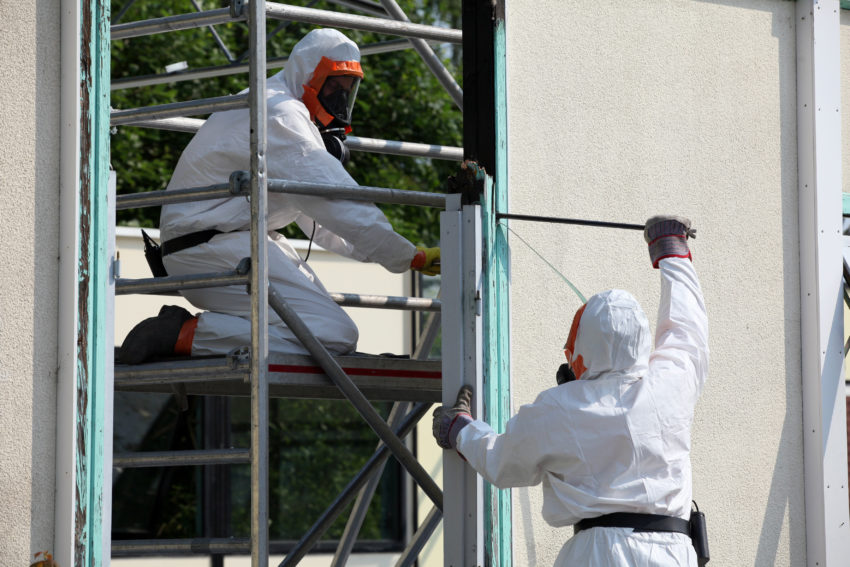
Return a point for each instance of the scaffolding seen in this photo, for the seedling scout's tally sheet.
(412, 384)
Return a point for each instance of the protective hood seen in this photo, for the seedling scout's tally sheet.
(320, 54)
(609, 337)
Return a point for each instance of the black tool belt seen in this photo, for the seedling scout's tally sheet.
(187, 241)
(639, 522)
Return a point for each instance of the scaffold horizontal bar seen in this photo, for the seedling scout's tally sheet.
(169, 372)
(219, 546)
(363, 23)
(363, 6)
(173, 23)
(174, 109)
(223, 191)
(206, 546)
(284, 12)
(386, 302)
(237, 68)
(181, 458)
(379, 378)
(176, 283)
(411, 149)
(354, 143)
(157, 198)
(359, 193)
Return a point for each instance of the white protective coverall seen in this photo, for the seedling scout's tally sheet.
(618, 439)
(295, 151)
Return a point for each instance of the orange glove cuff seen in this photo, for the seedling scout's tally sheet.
(419, 260)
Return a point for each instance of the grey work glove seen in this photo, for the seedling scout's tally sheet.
(667, 237)
(448, 421)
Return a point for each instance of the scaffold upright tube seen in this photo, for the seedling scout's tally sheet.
(363, 23)
(259, 278)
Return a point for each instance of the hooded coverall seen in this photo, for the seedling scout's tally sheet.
(296, 152)
(618, 439)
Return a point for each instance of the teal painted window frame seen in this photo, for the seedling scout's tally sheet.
(497, 395)
(92, 390)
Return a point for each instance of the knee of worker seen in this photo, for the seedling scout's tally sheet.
(337, 334)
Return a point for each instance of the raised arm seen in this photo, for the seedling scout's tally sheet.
(681, 334)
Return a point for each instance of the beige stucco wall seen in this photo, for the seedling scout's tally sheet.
(845, 138)
(29, 192)
(845, 99)
(621, 110)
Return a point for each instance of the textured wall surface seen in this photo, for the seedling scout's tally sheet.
(621, 110)
(845, 99)
(29, 191)
(845, 164)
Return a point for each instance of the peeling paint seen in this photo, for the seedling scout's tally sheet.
(84, 196)
(91, 285)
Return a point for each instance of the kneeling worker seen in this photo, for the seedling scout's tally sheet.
(309, 106)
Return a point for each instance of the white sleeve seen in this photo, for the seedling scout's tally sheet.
(681, 334)
(364, 230)
(516, 457)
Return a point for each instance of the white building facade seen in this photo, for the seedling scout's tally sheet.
(733, 113)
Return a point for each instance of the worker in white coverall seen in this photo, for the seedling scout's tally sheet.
(611, 446)
(307, 102)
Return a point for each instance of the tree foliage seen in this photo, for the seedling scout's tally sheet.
(399, 100)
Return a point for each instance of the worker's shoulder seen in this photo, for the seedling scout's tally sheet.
(558, 396)
(282, 103)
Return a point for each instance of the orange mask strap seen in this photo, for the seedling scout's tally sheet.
(326, 68)
(577, 363)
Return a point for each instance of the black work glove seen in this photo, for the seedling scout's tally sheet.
(667, 237)
(448, 421)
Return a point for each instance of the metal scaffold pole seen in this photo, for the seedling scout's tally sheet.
(258, 288)
(461, 296)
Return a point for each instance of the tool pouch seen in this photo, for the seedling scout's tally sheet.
(699, 536)
(153, 254)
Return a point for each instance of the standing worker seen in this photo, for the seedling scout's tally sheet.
(611, 442)
(309, 107)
